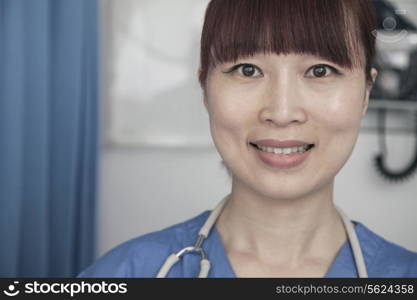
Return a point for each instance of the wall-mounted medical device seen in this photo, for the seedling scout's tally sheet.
(396, 58)
(396, 84)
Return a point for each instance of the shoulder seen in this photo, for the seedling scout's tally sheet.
(385, 258)
(144, 255)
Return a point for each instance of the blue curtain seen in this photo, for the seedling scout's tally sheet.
(48, 136)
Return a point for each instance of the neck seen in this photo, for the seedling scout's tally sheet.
(288, 231)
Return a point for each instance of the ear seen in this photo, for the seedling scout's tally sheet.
(205, 101)
(369, 86)
(204, 91)
(199, 71)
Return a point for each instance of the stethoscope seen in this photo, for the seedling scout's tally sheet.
(211, 220)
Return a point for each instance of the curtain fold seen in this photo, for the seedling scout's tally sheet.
(48, 136)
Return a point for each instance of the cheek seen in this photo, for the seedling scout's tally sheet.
(340, 109)
(230, 111)
(338, 118)
(343, 114)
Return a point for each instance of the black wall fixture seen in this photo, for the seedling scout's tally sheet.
(396, 82)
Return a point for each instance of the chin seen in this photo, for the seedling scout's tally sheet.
(281, 189)
(284, 194)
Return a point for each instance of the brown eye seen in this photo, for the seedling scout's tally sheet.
(246, 70)
(320, 71)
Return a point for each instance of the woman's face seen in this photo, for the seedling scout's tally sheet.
(285, 98)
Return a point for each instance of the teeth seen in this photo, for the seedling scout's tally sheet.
(285, 151)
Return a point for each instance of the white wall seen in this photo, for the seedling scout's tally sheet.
(145, 189)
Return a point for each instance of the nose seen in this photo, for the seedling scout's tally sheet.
(283, 104)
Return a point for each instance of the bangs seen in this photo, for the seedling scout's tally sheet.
(329, 29)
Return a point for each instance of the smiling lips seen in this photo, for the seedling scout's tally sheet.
(282, 154)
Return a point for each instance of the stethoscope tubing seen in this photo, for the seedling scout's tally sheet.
(211, 220)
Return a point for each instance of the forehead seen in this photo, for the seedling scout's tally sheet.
(322, 28)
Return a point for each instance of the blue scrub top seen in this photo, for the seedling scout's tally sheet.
(144, 255)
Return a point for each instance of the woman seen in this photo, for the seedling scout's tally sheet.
(286, 84)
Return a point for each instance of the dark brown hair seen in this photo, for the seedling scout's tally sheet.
(342, 31)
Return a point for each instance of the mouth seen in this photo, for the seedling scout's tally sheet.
(288, 156)
(284, 150)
